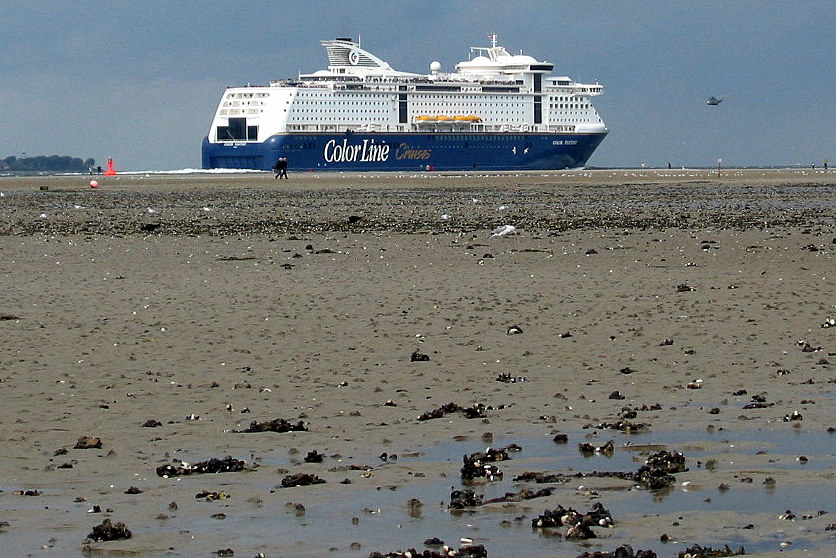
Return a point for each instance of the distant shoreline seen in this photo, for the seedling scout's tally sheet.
(228, 172)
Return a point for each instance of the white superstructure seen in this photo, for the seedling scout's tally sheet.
(493, 91)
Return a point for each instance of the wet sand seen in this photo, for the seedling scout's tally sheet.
(205, 303)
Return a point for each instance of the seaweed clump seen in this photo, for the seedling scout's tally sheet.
(279, 425)
(213, 465)
(579, 525)
(623, 551)
(472, 412)
(698, 551)
(474, 551)
(108, 531)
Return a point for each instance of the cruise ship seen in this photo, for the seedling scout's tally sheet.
(496, 111)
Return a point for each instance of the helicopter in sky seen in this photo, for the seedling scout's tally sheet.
(714, 101)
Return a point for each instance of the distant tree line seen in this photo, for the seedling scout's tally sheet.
(44, 163)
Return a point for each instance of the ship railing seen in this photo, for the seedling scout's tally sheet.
(249, 85)
(562, 128)
(585, 90)
(340, 79)
(515, 127)
(342, 128)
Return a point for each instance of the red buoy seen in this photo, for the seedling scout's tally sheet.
(110, 170)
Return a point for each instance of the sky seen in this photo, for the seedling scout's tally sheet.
(140, 81)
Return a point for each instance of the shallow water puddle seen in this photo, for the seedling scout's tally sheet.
(373, 513)
(382, 519)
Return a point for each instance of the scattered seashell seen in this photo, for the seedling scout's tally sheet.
(504, 230)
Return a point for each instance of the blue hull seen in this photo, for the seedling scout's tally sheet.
(370, 151)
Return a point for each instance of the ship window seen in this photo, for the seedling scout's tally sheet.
(237, 130)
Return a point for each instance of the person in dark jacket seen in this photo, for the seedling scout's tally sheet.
(280, 168)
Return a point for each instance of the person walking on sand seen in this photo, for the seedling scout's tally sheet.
(281, 168)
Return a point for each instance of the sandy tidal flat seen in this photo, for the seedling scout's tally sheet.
(163, 315)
